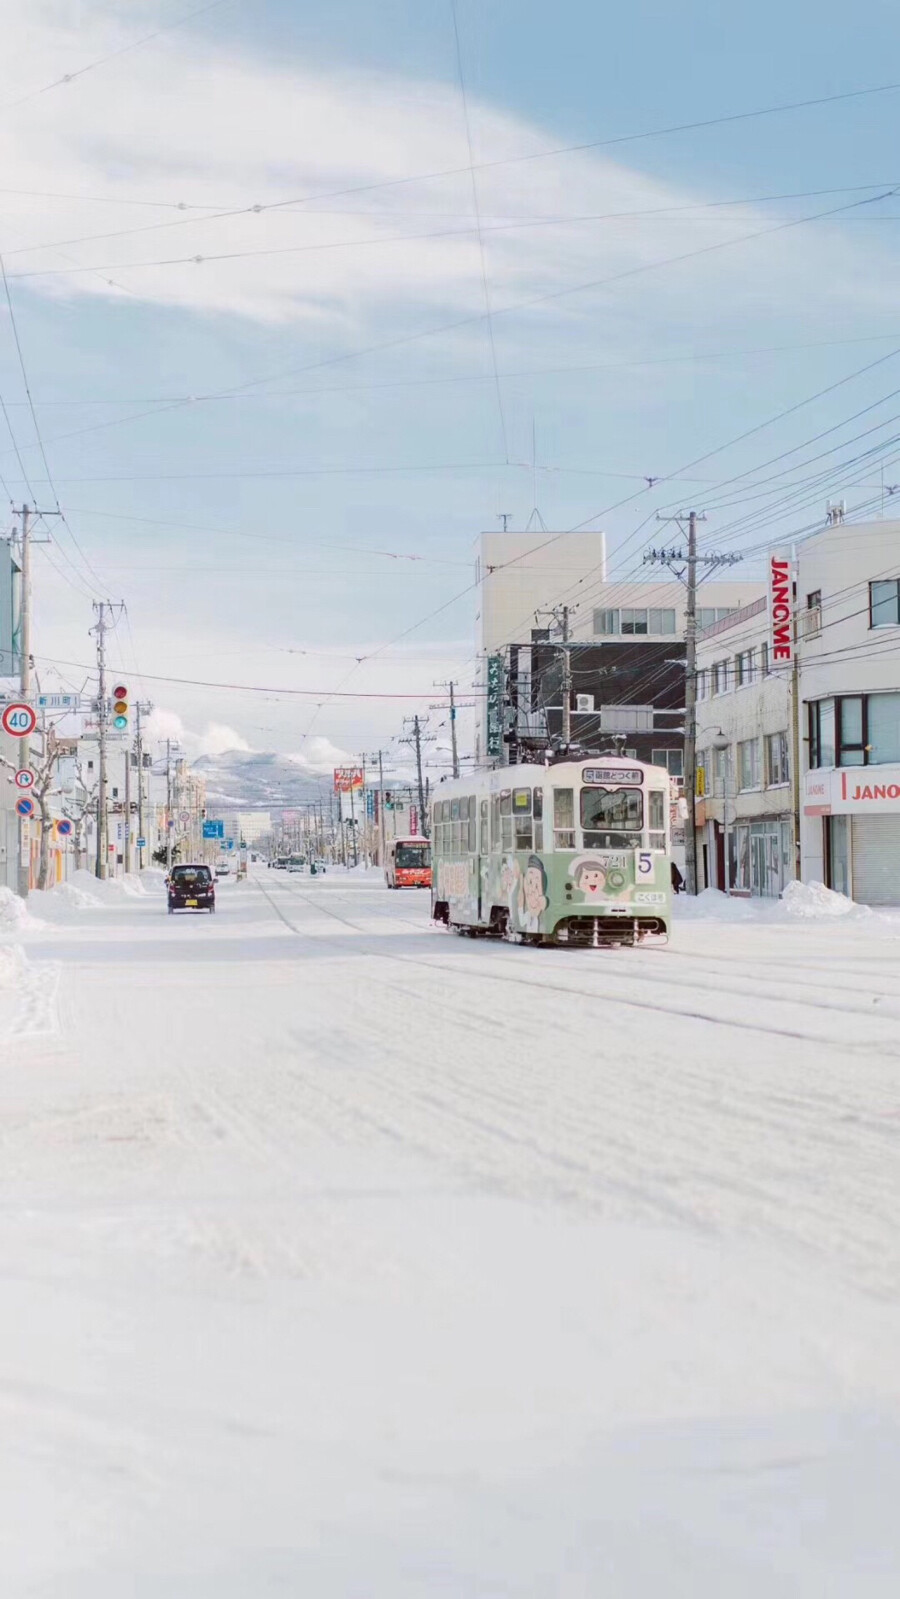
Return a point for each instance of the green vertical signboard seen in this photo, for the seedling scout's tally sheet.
(495, 705)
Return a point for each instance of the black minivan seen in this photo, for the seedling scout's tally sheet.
(191, 888)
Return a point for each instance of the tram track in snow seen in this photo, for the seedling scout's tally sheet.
(879, 1047)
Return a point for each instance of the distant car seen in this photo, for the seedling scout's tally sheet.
(223, 870)
(191, 888)
(296, 864)
(280, 863)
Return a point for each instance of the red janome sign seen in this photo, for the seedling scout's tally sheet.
(781, 607)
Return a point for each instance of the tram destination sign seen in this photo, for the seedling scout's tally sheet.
(612, 774)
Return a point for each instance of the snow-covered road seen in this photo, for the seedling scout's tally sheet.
(342, 1257)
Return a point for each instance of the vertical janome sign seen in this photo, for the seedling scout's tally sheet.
(781, 607)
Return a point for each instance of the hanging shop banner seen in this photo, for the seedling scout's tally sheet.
(781, 607)
(370, 804)
(347, 779)
(495, 705)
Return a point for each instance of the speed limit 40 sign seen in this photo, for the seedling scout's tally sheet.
(18, 720)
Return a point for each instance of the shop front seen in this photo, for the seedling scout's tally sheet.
(858, 809)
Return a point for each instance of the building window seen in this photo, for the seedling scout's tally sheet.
(812, 624)
(764, 660)
(821, 733)
(606, 622)
(743, 668)
(883, 728)
(672, 760)
(662, 621)
(777, 760)
(884, 603)
(850, 731)
(702, 685)
(748, 763)
(709, 615)
(634, 621)
(720, 677)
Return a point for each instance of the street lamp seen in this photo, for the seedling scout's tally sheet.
(722, 742)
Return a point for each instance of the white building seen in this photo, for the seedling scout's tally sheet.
(802, 753)
(848, 597)
(745, 758)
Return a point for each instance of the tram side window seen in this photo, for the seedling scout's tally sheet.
(522, 818)
(485, 840)
(657, 819)
(506, 821)
(563, 818)
(463, 844)
(473, 824)
(538, 810)
(495, 821)
(454, 827)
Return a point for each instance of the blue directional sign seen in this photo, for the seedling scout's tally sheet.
(213, 829)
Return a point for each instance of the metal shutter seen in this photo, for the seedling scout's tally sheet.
(876, 859)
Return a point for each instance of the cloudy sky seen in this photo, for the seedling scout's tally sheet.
(251, 250)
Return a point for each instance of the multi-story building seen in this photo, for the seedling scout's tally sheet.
(626, 648)
(848, 609)
(798, 725)
(745, 757)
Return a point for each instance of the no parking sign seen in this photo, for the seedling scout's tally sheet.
(25, 806)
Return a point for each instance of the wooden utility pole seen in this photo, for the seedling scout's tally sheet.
(561, 616)
(684, 564)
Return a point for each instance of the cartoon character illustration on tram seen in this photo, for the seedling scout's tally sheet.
(596, 879)
(533, 898)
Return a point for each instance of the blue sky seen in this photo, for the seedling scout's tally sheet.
(330, 422)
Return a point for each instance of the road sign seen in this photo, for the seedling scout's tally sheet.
(18, 720)
(24, 777)
(25, 805)
(142, 843)
(64, 828)
(59, 702)
(213, 829)
(184, 818)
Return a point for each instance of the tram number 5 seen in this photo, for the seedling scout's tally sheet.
(645, 863)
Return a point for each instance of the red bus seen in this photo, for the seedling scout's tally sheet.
(408, 863)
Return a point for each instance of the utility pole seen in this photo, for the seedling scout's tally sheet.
(102, 856)
(454, 749)
(169, 827)
(378, 755)
(25, 687)
(560, 616)
(417, 738)
(684, 565)
(139, 711)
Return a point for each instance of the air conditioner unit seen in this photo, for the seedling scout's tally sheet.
(584, 702)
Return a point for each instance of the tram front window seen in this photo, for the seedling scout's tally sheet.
(612, 818)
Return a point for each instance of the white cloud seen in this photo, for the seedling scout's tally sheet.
(217, 739)
(186, 121)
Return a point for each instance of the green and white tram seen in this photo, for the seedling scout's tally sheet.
(576, 853)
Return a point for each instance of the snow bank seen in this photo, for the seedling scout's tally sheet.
(109, 891)
(57, 902)
(813, 901)
(14, 915)
(12, 963)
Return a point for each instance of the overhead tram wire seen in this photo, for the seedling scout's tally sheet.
(401, 340)
(37, 429)
(718, 450)
(553, 294)
(124, 49)
(260, 688)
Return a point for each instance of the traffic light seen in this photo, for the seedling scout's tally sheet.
(120, 708)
